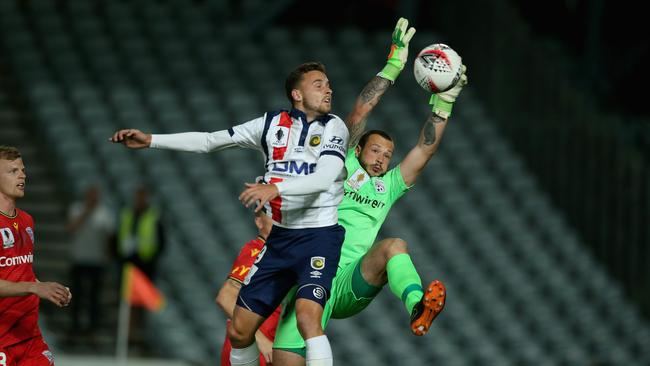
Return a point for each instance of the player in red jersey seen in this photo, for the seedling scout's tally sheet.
(228, 293)
(21, 342)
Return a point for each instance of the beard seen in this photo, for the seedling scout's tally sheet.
(321, 108)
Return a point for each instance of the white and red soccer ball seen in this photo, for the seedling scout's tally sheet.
(437, 68)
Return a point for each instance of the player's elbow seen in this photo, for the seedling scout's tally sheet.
(225, 301)
(219, 300)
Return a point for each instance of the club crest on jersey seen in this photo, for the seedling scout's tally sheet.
(280, 137)
(317, 263)
(314, 140)
(379, 186)
(358, 179)
(7, 238)
(30, 232)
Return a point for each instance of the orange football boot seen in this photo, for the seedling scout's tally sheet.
(432, 303)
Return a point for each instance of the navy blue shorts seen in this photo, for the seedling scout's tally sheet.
(307, 258)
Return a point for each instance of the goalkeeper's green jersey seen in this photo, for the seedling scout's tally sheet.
(365, 206)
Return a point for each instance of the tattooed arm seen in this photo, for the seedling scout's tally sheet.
(428, 143)
(366, 102)
(432, 131)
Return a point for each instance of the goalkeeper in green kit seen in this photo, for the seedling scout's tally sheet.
(370, 191)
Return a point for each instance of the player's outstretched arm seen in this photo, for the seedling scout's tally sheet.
(199, 142)
(377, 86)
(132, 138)
(432, 131)
(51, 291)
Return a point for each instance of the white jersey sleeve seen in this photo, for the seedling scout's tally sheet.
(248, 134)
(329, 165)
(328, 169)
(199, 142)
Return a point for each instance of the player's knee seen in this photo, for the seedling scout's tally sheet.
(394, 246)
(308, 318)
(239, 338)
(309, 325)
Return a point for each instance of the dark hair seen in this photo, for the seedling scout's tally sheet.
(295, 76)
(366, 135)
(9, 153)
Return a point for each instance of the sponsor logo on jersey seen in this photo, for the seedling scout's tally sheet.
(379, 186)
(314, 140)
(260, 255)
(317, 263)
(293, 167)
(254, 252)
(315, 274)
(240, 271)
(364, 200)
(281, 137)
(335, 143)
(7, 237)
(298, 149)
(30, 232)
(336, 147)
(17, 260)
(358, 179)
(318, 292)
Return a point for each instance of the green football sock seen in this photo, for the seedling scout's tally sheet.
(404, 280)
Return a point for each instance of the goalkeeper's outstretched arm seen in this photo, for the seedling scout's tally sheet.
(431, 133)
(377, 86)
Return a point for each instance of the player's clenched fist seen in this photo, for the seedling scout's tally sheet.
(52, 291)
(132, 138)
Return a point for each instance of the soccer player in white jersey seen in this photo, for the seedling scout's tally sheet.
(371, 189)
(305, 150)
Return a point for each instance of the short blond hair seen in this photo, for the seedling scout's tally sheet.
(9, 153)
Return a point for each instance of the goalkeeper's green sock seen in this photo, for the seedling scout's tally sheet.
(404, 280)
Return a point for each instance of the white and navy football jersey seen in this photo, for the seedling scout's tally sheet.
(292, 148)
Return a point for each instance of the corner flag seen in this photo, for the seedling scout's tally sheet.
(138, 290)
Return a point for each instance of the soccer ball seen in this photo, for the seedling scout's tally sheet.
(437, 68)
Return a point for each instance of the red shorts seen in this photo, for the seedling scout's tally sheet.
(32, 352)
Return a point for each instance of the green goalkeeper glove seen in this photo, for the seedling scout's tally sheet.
(442, 103)
(399, 50)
